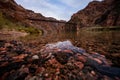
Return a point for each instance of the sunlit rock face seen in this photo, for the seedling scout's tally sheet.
(104, 13)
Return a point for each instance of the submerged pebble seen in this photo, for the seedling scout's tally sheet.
(35, 57)
(59, 61)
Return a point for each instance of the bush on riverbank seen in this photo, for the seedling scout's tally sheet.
(9, 25)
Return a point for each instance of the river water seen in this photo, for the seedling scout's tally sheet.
(103, 42)
(106, 42)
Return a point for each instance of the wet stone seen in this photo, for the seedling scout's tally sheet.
(2, 43)
(10, 48)
(80, 58)
(32, 69)
(34, 57)
(80, 65)
(19, 50)
(53, 62)
(13, 42)
(62, 57)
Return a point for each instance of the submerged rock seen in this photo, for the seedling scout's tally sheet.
(62, 57)
(60, 61)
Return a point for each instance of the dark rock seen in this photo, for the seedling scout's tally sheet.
(80, 65)
(12, 76)
(9, 48)
(62, 57)
(10, 66)
(19, 50)
(32, 69)
(16, 76)
(13, 42)
(22, 76)
(2, 43)
(50, 64)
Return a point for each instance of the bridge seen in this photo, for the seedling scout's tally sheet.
(69, 26)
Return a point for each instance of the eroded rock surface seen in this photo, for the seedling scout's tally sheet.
(104, 13)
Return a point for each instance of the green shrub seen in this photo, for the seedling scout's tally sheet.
(7, 24)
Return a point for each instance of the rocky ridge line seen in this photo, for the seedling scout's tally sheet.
(103, 13)
(16, 13)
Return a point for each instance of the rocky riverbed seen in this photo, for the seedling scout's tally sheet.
(58, 61)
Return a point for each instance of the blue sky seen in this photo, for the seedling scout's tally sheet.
(59, 9)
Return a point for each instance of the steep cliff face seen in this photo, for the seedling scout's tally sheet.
(104, 13)
(16, 13)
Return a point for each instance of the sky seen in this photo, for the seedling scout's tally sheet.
(59, 9)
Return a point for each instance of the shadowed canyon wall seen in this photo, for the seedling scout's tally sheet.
(103, 13)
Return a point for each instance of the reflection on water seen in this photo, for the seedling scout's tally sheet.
(103, 42)
(100, 41)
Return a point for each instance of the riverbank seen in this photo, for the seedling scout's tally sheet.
(22, 62)
(11, 29)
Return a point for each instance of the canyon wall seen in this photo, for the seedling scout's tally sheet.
(103, 13)
(16, 13)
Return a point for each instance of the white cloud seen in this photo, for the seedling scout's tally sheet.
(72, 3)
(62, 10)
(75, 3)
(45, 7)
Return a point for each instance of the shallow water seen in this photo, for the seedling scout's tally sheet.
(105, 42)
(102, 42)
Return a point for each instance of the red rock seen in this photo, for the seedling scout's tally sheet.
(24, 69)
(4, 64)
(4, 76)
(46, 75)
(20, 56)
(28, 17)
(99, 61)
(2, 49)
(53, 61)
(57, 71)
(8, 44)
(80, 65)
(68, 51)
(92, 52)
(57, 50)
(93, 73)
(28, 77)
(3, 52)
(81, 58)
(49, 78)
(56, 78)
(39, 69)
(103, 13)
